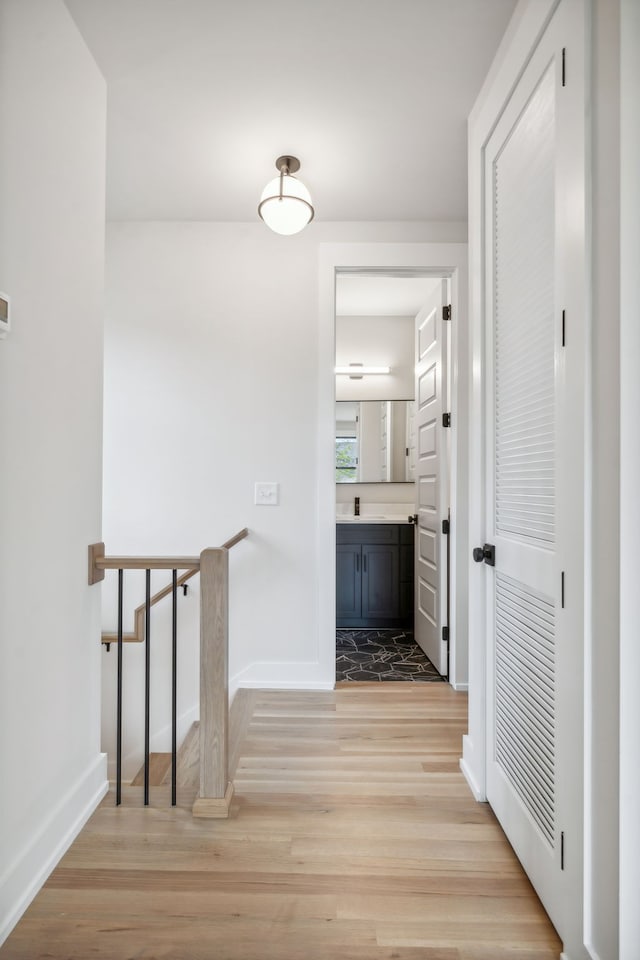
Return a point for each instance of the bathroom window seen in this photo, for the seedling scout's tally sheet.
(346, 459)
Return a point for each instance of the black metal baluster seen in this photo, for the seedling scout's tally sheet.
(147, 678)
(174, 688)
(119, 698)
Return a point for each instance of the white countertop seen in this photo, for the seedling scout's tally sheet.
(375, 513)
(373, 518)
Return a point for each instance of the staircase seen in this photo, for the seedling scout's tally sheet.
(203, 767)
(188, 759)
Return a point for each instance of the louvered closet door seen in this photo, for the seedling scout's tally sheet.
(524, 460)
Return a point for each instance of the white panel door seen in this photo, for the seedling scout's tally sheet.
(431, 479)
(531, 472)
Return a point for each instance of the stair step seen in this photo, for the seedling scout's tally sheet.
(159, 767)
(188, 773)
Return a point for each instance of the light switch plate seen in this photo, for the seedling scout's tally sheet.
(267, 494)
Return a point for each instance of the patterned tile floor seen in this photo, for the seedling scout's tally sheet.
(381, 655)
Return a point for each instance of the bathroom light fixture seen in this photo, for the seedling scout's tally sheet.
(356, 371)
(285, 204)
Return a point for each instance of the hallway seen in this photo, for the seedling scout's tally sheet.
(353, 836)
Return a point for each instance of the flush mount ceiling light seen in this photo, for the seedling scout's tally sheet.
(285, 204)
(356, 371)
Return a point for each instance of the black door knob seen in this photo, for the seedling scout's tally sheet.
(486, 553)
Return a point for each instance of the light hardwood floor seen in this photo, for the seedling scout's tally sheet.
(353, 836)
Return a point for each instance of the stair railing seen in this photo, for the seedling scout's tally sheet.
(215, 789)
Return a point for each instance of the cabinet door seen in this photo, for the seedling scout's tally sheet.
(348, 580)
(380, 581)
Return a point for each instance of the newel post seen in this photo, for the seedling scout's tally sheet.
(215, 788)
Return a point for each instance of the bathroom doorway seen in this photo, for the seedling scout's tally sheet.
(429, 259)
(392, 454)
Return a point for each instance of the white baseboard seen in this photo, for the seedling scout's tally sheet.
(467, 765)
(285, 685)
(23, 879)
(473, 786)
(591, 950)
(282, 676)
(460, 687)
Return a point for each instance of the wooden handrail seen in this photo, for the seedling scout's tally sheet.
(236, 539)
(139, 616)
(148, 563)
(98, 562)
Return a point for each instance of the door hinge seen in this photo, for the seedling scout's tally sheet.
(445, 636)
(446, 419)
(562, 850)
(446, 312)
(445, 527)
(564, 67)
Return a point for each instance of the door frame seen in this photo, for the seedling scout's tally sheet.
(448, 260)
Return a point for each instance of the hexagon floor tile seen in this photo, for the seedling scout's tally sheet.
(381, 655)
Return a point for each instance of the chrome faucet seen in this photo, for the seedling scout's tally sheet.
(356, 508)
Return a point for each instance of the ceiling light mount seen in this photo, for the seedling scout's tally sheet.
(287, 165)
(285, 205)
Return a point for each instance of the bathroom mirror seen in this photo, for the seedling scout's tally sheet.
(375, 441)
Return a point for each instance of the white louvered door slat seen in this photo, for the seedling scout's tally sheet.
(525, 698)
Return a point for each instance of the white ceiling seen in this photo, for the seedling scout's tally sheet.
(371, 95)
(382, 296)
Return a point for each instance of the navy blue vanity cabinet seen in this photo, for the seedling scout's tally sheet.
(348, 581)
(373, 575)
(406, 574)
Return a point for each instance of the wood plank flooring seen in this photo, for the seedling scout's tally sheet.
(352, 836)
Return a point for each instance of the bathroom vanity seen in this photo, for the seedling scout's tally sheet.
(374, 571)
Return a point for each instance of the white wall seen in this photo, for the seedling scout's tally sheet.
(630, 481)
(211, 383)
(387, 341)
(378, 493)
(52, 118)
(602, 645)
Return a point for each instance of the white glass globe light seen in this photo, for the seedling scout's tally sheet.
(285, 205)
